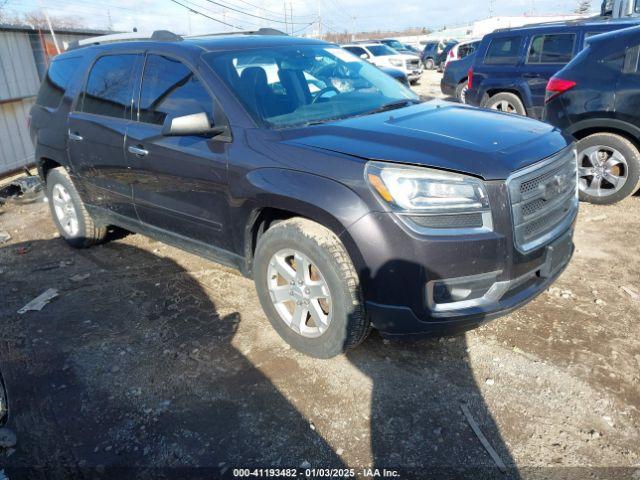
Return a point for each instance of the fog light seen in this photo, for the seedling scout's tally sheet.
(463, 292)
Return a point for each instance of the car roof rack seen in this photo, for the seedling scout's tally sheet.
(158, 36)
(260, 31)
(559, 23)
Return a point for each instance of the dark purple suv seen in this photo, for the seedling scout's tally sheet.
(351, 202)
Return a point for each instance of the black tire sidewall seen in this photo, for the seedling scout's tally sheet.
(631, 155)
(459, 89)
(509, 97)
(56, 177)
(334, 340)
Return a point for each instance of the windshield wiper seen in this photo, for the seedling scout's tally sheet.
(392, 106)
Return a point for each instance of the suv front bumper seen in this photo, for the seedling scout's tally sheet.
(400, 270)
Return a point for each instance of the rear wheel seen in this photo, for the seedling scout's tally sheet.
(69, 213)
(608, 168)
(309, 289)
(429, 64)
(461, 91)
(507, 103)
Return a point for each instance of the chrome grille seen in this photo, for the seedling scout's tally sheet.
(544, 200)
(413, 64)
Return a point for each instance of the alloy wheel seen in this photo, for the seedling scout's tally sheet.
(299, 293)
(65, 210)
(602, 171)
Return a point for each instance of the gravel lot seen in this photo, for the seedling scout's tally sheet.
(153, 362)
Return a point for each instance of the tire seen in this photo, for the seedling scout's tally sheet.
(507, 103)
(348, 325)
(624, 170)
(429, 64)
(461, 91)
(61, 192)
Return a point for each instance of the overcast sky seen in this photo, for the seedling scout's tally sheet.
(337, 15)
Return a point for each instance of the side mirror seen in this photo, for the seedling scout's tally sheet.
(194, 124)
(364, 56)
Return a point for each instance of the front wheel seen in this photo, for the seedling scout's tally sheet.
(608, 168)
(309, 289)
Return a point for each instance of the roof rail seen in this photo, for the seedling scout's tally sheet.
(577, 21)
(158, 35)
(260, 31)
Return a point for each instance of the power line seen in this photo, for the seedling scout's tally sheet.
(207, 16)
(255, 16)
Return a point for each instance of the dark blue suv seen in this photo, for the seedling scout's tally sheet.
(350, 201)
(512, 66)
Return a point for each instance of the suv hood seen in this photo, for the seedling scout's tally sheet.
(437, 134)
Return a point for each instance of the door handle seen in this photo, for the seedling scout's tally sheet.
(139, 151)
(74, 136)
(531, 75)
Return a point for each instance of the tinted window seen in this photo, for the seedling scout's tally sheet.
(170, 88)
(381, 50)
(357, 51)
(557, 48)
(503, 51)
(56, 80)
(108, 90)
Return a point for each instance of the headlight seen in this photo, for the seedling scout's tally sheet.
(395, 62)
(431, 198)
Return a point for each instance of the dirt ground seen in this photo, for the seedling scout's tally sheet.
(152, 362)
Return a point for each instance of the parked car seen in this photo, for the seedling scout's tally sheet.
(383, 56)
(442, 56)
(430, 54)
(399, 46)
(461, 50)
(454, 82)
(412, 49)
(512, 66)
(596, 98)
(399, 75)
(620, 8)
(358, 205)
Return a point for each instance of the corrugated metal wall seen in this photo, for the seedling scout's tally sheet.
(16, 149)
(23, 58)
(18, 73)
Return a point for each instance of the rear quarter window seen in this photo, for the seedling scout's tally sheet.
(54, 84)
(503, 51)
(551, 48)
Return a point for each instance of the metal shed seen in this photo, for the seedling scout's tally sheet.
(25, 53)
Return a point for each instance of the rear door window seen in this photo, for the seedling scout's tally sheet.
(169, 87)
(504, 51)
(109, 88)
(56, 80)
(553, 48)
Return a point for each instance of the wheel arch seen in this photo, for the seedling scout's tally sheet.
(585, 128)
(328, 203)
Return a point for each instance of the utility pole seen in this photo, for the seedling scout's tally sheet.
(353, 28)
(491, 8)
(286, 25)
(319, 20)
(291, 15)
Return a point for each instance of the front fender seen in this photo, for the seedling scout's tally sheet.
(325, 201)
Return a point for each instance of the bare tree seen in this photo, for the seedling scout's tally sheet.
(584, 7)
(38, 19)
(3, 15)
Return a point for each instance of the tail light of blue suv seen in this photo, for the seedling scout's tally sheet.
(557, 86)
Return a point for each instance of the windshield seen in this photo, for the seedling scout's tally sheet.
(381, 50)
(293, 86)
(395, 44)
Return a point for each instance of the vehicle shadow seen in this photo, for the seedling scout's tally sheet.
(131, 373)
(419, 388)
